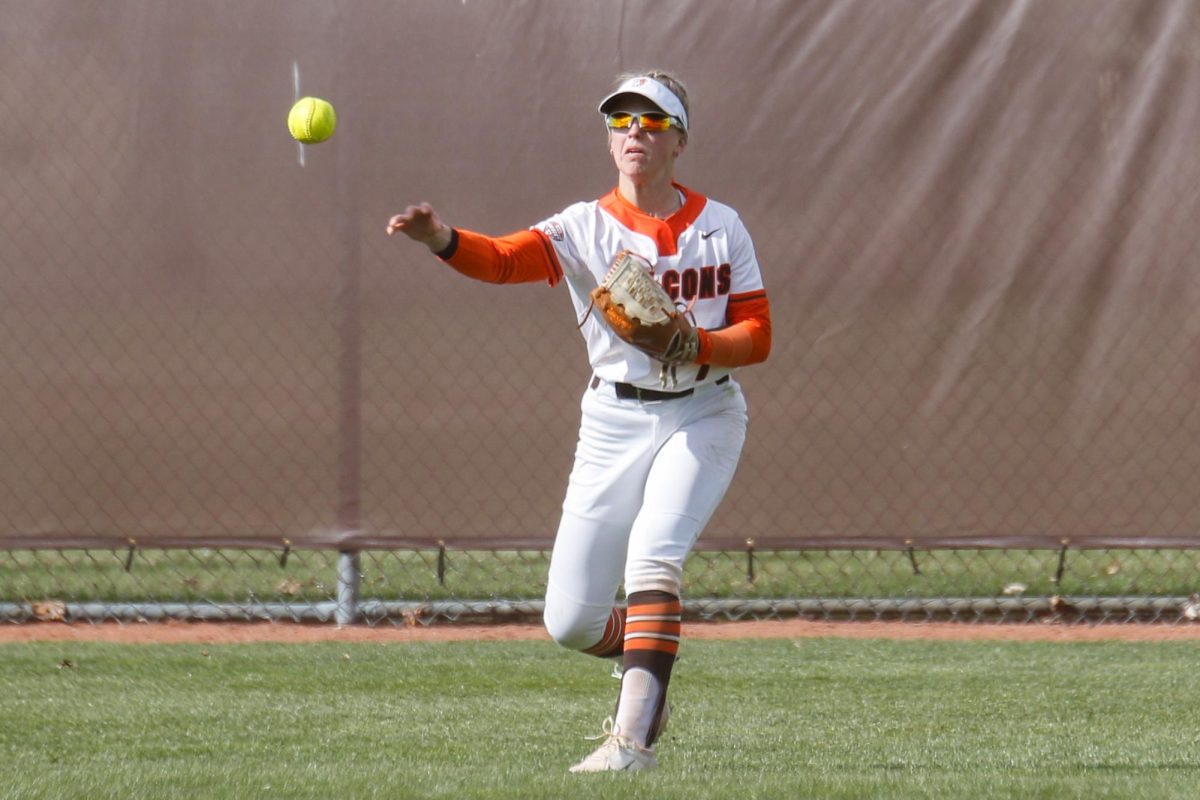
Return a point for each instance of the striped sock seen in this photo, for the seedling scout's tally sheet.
(613, 641)
(652, 628)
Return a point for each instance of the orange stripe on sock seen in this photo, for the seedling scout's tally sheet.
(675, 608)
(653, 627)
(659, 645)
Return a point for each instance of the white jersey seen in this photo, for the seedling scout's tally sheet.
(702, 255)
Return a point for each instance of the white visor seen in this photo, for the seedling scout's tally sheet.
(653, 91)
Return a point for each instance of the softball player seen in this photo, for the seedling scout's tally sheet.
(651, 464)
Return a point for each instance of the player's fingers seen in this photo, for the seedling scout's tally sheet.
(404, 220)
(414, 220)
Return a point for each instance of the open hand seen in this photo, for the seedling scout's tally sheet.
(421, 223)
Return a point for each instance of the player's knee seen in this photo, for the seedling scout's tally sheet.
(573, 636)
(573, 627)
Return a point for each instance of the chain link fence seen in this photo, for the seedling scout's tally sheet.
(975, 219)
(407, 583)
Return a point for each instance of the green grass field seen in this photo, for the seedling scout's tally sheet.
(820, 718)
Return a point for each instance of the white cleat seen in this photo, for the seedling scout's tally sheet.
(617, 754)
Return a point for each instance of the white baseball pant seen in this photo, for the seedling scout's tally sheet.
(646, 480)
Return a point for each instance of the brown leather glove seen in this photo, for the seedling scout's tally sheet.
(641, 313)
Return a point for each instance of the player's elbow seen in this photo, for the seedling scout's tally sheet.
(759, 331)
(761, 348)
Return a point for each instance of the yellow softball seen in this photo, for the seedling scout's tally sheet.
(311, 120)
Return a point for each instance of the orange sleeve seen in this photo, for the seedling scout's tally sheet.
(747, 338)
(521, 257)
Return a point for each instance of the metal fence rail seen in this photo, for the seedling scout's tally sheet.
(360, 580)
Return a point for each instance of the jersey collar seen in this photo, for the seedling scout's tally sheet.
(664, 232)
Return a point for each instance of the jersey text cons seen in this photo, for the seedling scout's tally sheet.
(691, 283)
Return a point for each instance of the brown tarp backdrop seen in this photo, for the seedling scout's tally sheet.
(977, 221)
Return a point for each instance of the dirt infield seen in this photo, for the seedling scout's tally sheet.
(230, 633)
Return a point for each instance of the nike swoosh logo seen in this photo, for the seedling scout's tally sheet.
(705, 234)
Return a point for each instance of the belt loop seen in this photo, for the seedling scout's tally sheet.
(595, 381)
(702, 374)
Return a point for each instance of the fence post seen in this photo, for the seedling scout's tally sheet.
(348, 574)
(347, 178)
(1062, 562)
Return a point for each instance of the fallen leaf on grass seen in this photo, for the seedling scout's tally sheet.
(412, 616)
(1191, 609)
(289, 587)
(49, 611)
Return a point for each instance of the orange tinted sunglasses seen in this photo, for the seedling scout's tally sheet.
(650, 121)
